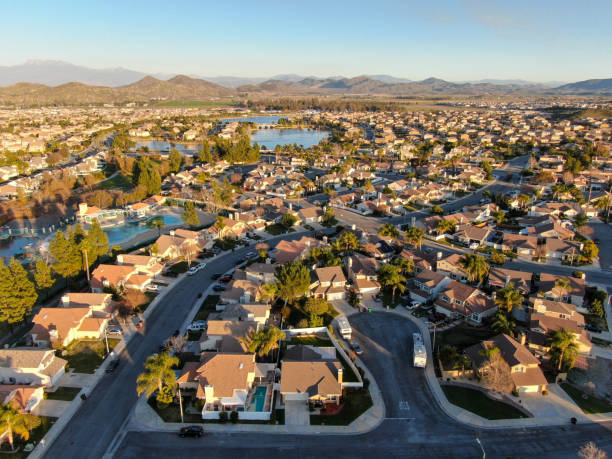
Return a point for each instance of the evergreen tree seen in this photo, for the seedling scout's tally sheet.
(293, 280)
(23, 289)
(190, 216)
(42, 276)
(145, 173)
(205, 155)
(176, 160)
(97, 241)
(66, 255)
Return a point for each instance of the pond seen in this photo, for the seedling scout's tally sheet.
(254, 119)
(272, 137)
(163, 146)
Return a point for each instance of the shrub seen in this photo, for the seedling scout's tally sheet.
(223, 417)
(303, 323)
(234, 417)
(199, 404)
(515, 392)
(545, 392)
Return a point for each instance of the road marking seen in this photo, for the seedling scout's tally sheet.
(404, 405)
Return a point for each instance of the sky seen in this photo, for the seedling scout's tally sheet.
(458, 40)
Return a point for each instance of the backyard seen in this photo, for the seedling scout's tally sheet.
(277, 229)
(354, 404)
(86, 356)
(586, 402)
(35, 436)
(478, 403)
(462, 336)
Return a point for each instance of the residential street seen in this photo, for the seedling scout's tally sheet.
(414, 427)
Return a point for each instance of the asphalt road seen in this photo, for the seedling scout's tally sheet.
(415, 426)
(96, 423)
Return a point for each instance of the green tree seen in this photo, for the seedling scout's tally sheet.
(158, 224)
(267, 292)
(176, 160)
(288, 220)
(590, 250)
(146, 174)
(604, 203)
(436, 210)
(329, 217)
(293, 281)
(405, 265)
(499, 216)
(66, 255)
(43, 277)
(389, 230)
(23, 291)
(509, 298)
(97, 242)
(563, 349)
(323, 257)
(475, 266)
(190, 215)
(502, 323)
(316, 306)
(390, 277)
(13, 422)
(158, 373)
(446, 226)
(580, 220)
(498, 258)
(262, 342)
(414, 235)
(346, 242)
(205, 155)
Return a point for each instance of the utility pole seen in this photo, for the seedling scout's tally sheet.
(86, 260)
(181, 404)
(106, 341)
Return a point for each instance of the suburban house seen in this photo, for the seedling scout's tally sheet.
(261, 272)
(458, 300)
(525, 371)
(143, 263)
(500, 277)
(364, 273)
(468, 235)
(450, 266)
(118, 277)
(329, 283)
(222, 380)
(426, 285)
(225, 335)
(286, 251)
(520, 244)
(31, 366)
(65, 325)
(241, 291)
(259, 313)
(310, 214)
(98, 303)
(22, 397)
(550, 289)
(318, 380)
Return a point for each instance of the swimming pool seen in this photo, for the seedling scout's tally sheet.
(258, 401)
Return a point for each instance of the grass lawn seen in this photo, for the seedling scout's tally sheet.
(118, 182)
(462, 336)
(226, 244)
(207, 307)
(181, 267)
(35, 436)
(276, 229)
(348, 373)
(586, 402)
(356, 402)
(478, 403)
(86, 356)
(172, 413)
(143, 307)
(597, 321)
(311, 340)
(63, 393)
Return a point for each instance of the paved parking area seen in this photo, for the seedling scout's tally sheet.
(72, 379)
(297, 413)
(51, 408)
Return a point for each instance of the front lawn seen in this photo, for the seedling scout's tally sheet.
(118, 182)
(355, 403)
(63, 393)
(311, 340)
(35, 436)
(276, 229)
(478, 403)
(586, 402)
(462, 336)
(592, 319)
(86, 356)
(226, 244)
(207, 307)
(181, 267)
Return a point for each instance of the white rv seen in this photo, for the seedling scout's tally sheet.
(420, 354)
(344, 328)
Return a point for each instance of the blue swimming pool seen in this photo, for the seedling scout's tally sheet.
(258, 402)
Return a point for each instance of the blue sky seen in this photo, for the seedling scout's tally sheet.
(455, 40)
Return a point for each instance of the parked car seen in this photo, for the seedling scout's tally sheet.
(413, 305)
(251, 255)
(356, 348)
(191, 431)
(153, 288)
(219, 288)
(192, 271)
(593, 328)
(225, 279)
(114, 331)
(197, 326)
(216, 276)
(596, 240)
(112, 365)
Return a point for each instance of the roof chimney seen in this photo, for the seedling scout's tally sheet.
(353, 227)
(494, 295)
(507, 279)
(439, 255)
(522, 338)
(340, 375)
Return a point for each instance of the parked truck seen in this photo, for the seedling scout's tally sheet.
(344, 328)
(420, 354)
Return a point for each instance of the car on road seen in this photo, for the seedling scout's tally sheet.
(593, 328)
(413, 305)
(216, 276)
(596, 240)
(219, 288)
(356, 348)
(114, 331)
(197, 325)
(251, 255)
(192, 271)
(112, 365)
(225, 279)
(191, 431)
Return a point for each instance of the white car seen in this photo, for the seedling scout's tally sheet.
(197, 326)
(192, 271)
(413, 305)
(153, 288)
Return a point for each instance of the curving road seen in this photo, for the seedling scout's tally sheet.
(415, 426)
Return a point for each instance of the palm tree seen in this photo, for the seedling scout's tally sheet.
(563, 348)
(523, 200)
(267, 292)
(500, 217)
(446, 226)
(390, 276)
(15, 423)
(263, 341)
(406, 265)
(604, 204)
(475, 265)
(414, 235)
(509, 298)
(347, 242)
(158, 224)
(502, 323)
(387, 229)
(158, 373)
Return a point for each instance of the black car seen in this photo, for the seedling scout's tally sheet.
(216, 276)
(219, 288)
(593, 328)
(112, 365)
(176, 333)
(191, 431)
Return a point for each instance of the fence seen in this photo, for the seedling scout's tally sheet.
(6, 232)
(242, 415)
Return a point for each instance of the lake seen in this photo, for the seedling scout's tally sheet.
(272, 137)
(254, 119)
(161, 145)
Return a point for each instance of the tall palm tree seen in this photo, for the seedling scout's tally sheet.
(406, 265)
(390, 277)
(446, 226)
(158, 373)
(563, 348)
(604, 204)
(15, 423)
(414, 235)
(263, 341)
(267, 292)
(158, 224)
(475, 266)
(509, 298)
(502, 323)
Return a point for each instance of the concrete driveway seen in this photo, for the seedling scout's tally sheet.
(51, 408)
(72, 379)
(297, 413)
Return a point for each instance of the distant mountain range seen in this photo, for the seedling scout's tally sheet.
(54, 82)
